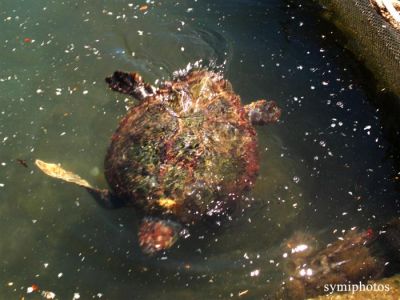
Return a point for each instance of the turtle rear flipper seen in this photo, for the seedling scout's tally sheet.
(103, 197)
(130, 84)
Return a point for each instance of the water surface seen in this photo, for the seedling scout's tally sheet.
(327, 165)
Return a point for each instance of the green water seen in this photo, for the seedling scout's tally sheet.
(327, 165)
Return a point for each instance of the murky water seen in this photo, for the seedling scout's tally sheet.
(327, 165)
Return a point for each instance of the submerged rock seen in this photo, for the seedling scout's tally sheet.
(354, 259)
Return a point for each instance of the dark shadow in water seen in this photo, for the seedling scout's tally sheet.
(386, 102)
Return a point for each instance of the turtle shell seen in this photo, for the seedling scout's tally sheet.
(188, 150)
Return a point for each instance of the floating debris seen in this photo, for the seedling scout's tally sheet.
(22, 162)
(255, 273)
(48, 295)
(32, 288)
(143, 7)
(296, 179)
(76, 296)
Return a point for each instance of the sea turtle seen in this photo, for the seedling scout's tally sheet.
(186, 152)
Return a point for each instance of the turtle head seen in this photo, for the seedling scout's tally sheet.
(156, 235)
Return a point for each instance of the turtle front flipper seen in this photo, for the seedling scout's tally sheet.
(103, 197)
(262, 112)
(131, 84)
